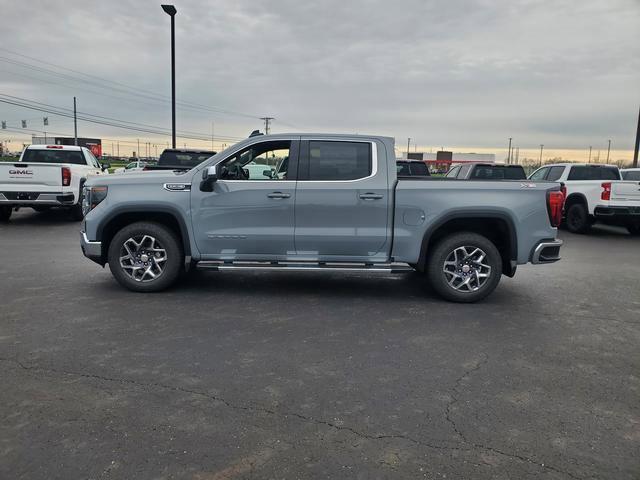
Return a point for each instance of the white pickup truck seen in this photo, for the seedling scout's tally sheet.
(47, 176)
(594, 192)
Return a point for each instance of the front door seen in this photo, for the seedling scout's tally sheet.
(342, 201)
(249, 215)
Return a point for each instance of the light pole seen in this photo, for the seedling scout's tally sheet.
(408, 143)
(590, 148)
(171, 11)
(608, 151)
(541, 147)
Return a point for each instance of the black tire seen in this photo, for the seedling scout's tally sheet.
(41, 209)
(164, 239)
(578, 220)
(76, 211)
(5, 213)
(634, 228)
(443, 251)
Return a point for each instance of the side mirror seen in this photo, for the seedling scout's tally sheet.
(106, 166)
(209, 177)
(267, 173)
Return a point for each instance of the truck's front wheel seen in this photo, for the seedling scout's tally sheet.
(145, 257)
(464, 267)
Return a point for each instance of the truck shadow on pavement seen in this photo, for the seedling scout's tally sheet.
(28, 216)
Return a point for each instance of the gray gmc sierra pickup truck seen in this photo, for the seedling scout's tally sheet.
(318, 202)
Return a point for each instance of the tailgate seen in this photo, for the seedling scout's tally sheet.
(626, 191)
(30, 176)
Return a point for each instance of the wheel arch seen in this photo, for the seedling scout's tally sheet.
(121, 217)
(497, 226)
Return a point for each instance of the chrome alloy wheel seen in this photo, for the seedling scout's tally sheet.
(464, 269)
(142, 258)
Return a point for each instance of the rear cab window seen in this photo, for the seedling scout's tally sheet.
(53, 155)
(585, 172)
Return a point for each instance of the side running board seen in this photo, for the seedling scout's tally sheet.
(306, 266)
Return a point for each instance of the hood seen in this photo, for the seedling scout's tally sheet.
(141, 178)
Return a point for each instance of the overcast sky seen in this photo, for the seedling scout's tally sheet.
(463, 73)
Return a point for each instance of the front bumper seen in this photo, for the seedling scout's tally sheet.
(27, 199)
(547, 251)
(92, 250)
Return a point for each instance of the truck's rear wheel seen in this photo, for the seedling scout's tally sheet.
(464, 267)
(5, 213)
(578, 220)
(145, 257)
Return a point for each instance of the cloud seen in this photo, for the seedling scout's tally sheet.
(442, 72)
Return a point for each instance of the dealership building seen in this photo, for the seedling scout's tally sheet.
(442, 159)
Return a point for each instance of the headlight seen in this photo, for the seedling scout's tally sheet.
(91, 197)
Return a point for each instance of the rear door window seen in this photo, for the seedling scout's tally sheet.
(419, 169)
(634, 175)
(54, 155)
(331, 160)
(464, 171)
(555, 173)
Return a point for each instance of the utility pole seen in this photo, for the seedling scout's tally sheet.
(75, 123)
(408, 143)
(541, 147)
(509, 155)
(266, 124)
(212, 132)
(590, 148)
(171, 11)
(635, 151)
(608, 151)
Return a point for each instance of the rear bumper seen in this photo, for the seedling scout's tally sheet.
(617, 212)
(27, 199)
(91, 249)
(547, 251)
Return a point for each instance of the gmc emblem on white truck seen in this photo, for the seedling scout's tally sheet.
(20, 172)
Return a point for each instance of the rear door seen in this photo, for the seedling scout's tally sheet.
(342, 200)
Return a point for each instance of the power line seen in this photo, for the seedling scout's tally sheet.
(113, 122)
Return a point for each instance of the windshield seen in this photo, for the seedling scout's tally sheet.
(54, 155)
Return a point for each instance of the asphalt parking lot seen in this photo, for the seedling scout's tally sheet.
(283, 375)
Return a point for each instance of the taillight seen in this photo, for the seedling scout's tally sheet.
(606, 191)
(66, 176)
(555, 202)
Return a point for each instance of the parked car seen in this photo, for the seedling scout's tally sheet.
(487, 171)
(595, 192)
(47, 176)
(135, 166)
(179, 159)
(630, 173)
(412, 168)
(341, 207)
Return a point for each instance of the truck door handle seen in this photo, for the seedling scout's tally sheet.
(278, 195)
(370, 196)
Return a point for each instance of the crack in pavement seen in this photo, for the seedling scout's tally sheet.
(306, 418)
(466, 441)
